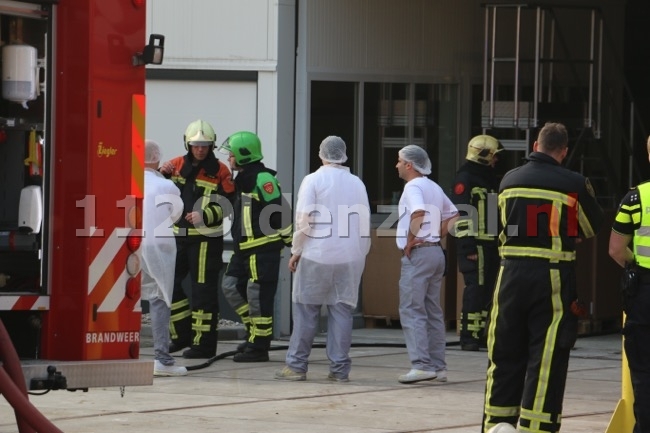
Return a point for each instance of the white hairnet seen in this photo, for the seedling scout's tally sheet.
(332, 149)
(418, 157)
(152, 152)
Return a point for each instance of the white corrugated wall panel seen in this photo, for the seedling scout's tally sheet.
(216, 34)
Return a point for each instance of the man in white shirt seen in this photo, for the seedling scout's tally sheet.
(426, 214)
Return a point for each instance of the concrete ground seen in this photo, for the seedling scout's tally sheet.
(233, 397)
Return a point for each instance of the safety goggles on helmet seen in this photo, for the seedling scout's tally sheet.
(483, 148)
(244, 146)
(199, 133)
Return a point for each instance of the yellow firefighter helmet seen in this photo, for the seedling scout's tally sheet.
(482, 149)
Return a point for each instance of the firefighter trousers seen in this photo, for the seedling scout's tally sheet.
(249, 286)
(530, 336)
(194, 318)
(479, 276)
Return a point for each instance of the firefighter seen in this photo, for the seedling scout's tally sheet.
(205, 184)
(630, 229)
(261, 228)
(474, 193)
(545, 210)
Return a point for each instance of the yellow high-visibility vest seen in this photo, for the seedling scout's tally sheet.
(642, 234)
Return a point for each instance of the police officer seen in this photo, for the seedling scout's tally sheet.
(202, 179)
(261, 228)
(545, 209)
(474, 194)
(632, 223)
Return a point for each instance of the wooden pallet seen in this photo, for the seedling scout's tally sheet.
(381, 321)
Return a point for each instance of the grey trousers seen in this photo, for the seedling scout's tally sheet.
(159, 313)
(339, 337)
(420, 313)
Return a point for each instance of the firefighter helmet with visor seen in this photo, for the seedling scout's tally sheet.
(199, 133)
(245, 146)
(482, 149)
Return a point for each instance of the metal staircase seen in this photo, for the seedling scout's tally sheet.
(544, 63)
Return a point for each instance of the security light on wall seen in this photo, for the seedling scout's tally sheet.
(152, 52)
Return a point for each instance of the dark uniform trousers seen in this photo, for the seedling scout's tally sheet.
(479, 276)
(194, 320)
(530, 360)
(636, 342)
(249, 285)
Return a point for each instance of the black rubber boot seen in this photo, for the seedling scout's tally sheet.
(251, 355)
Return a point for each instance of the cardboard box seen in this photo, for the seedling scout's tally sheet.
(380, 282)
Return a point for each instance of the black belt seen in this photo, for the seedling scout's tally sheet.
(423, 244)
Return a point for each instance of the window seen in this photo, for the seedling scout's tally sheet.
(398, 114)
(394, 115)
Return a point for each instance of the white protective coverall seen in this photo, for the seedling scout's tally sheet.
(162, 205)
(335, 202)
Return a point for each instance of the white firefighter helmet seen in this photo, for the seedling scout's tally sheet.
(482, 149)
(199, 133)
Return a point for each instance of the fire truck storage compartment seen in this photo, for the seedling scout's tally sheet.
(20, 248)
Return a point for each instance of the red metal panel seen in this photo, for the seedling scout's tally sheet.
(93, 163)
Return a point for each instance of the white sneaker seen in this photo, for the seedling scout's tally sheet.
(159, 369)
(441, 376)
(417, 376)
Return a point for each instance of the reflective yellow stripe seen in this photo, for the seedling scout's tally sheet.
(501, 412)
(287, 231)
(253, 195)
(464, 227)
(539, 194)
(536, 418)
(243, 310)
(247, 219)
(200, 324)
(641, 239)
(203, 251)
(482, 214)
(208, 186)
(547, 354)
(182, 312)
(540, 253)
(180, 304)
(203, 231)
(262, 326)
(258, 242)
(252, 264)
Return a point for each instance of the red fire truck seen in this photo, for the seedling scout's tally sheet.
(72, 122)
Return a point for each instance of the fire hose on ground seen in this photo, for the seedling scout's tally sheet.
(13, 388)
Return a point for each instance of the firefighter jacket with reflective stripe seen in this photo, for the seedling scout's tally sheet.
(544, 208)
(262, 217)
(632, 219)
(200, 186)
(474, 193)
